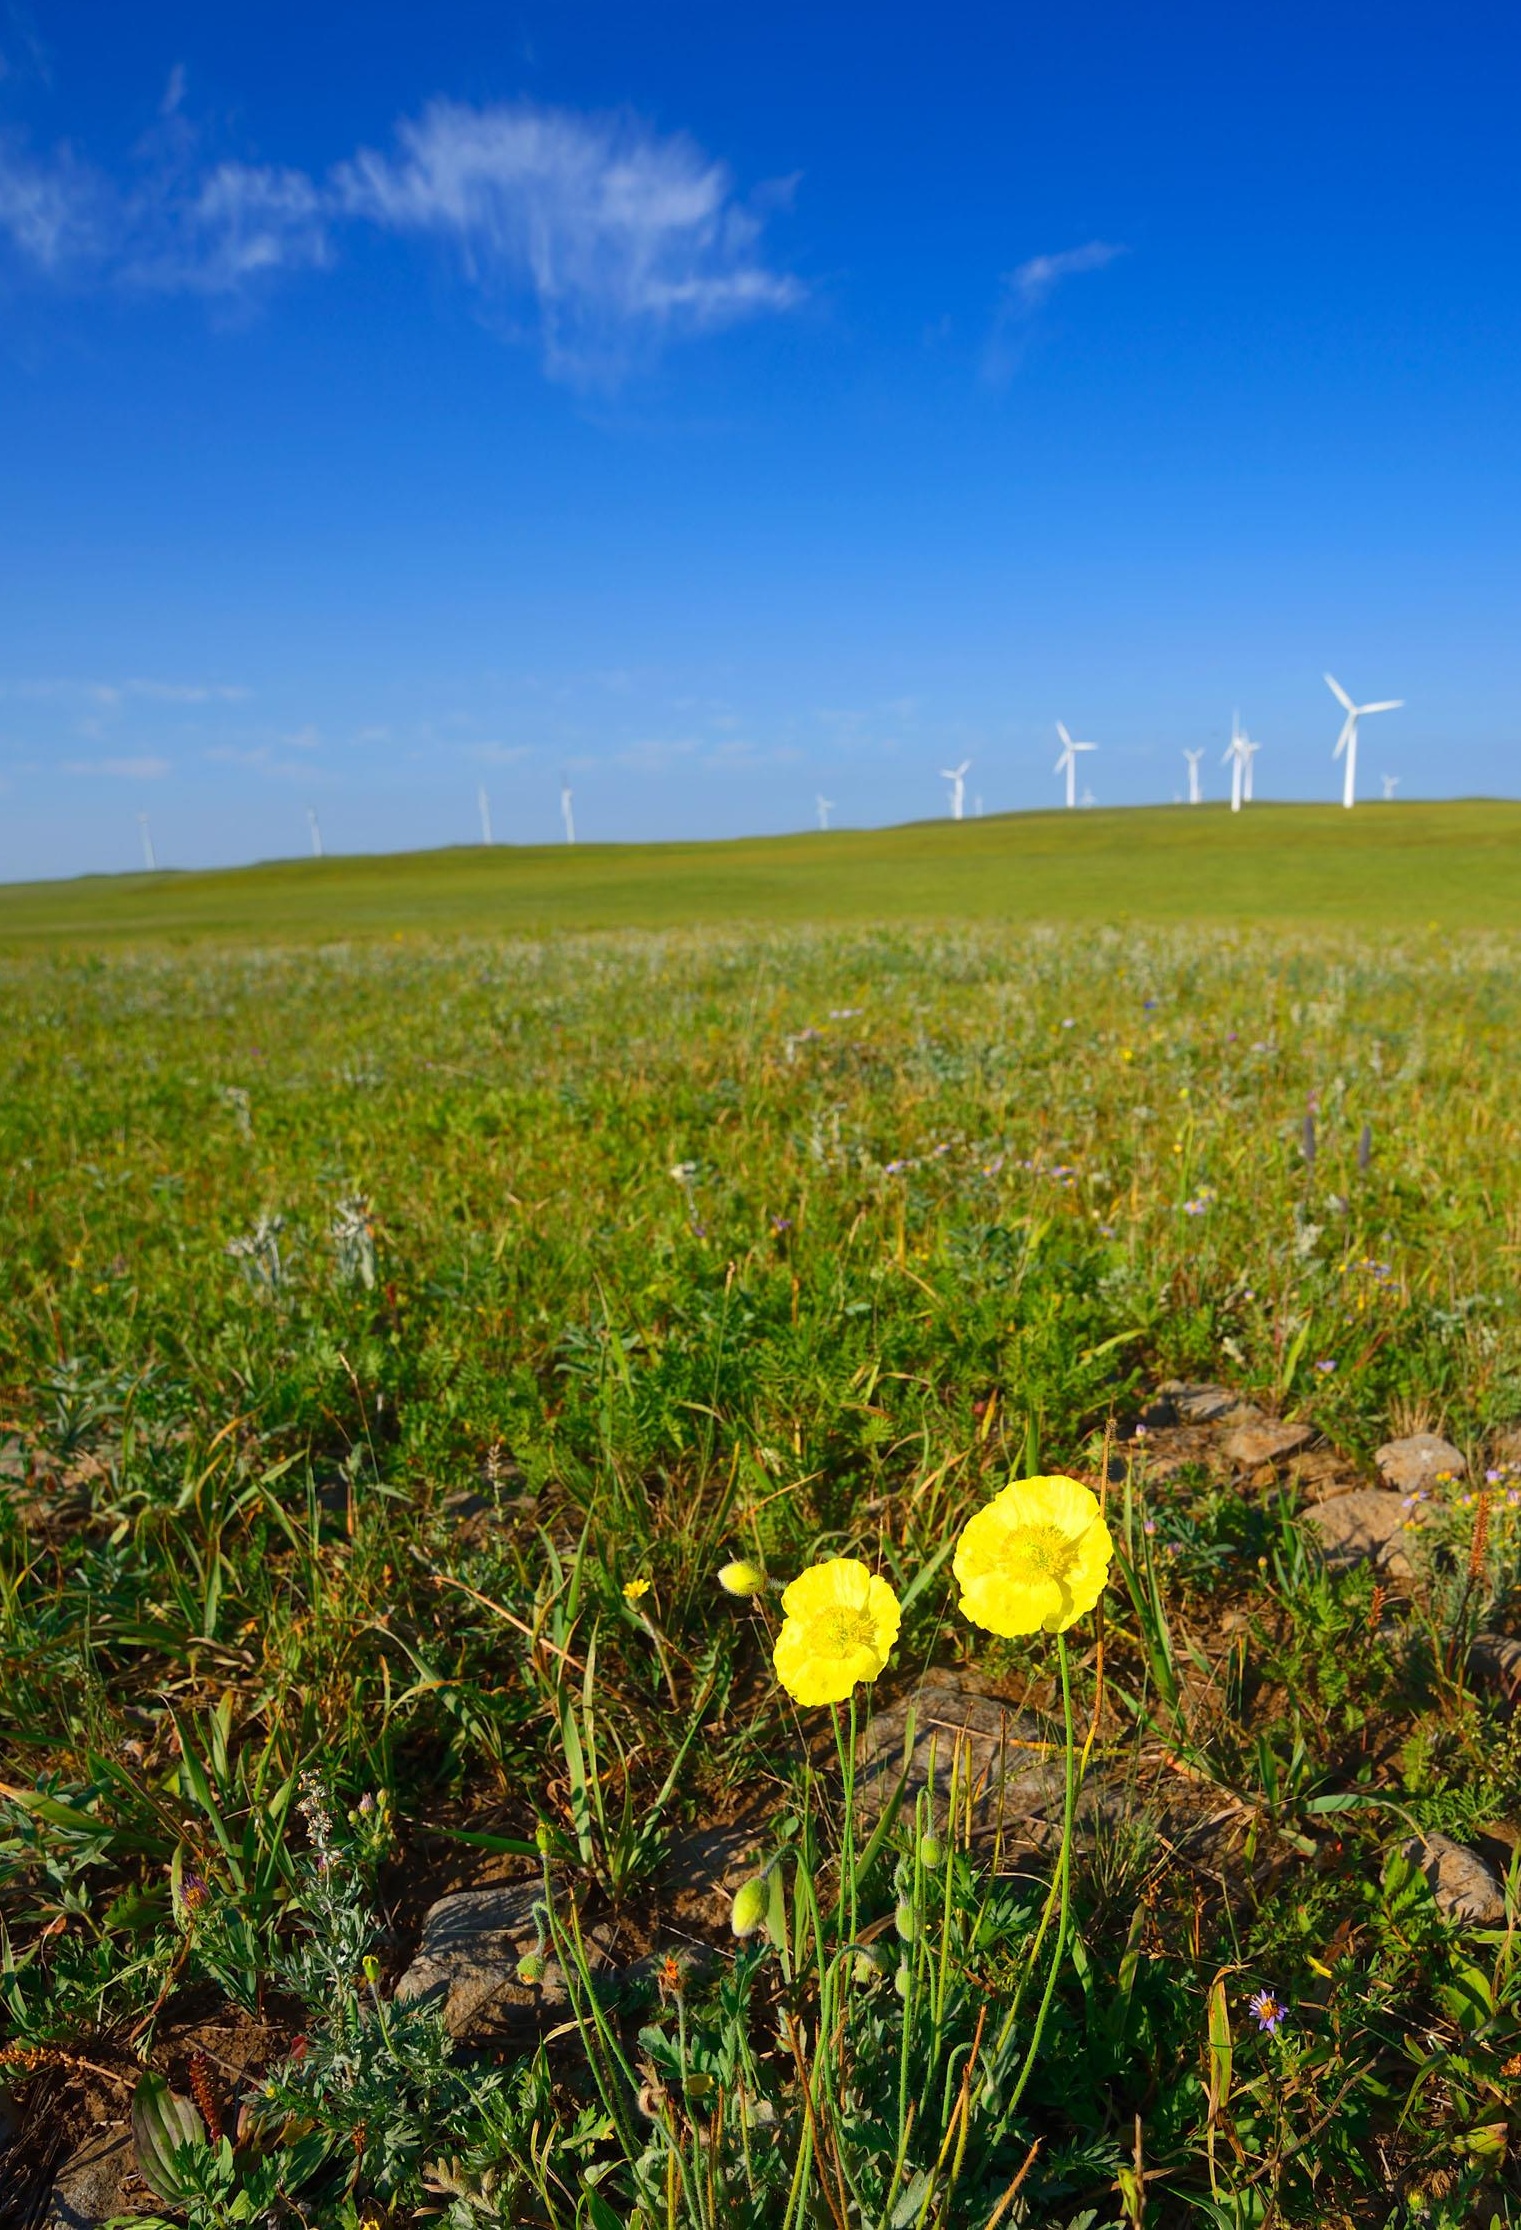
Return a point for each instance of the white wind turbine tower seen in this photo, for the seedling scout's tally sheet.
(566, 814)
(956, 776)
(1391, 783)
(1195, 796)
(149, 862)
(1237, 756)
(1067, 763)
(311, 817)
(826, 807)
(1249, 751)
(1346, 742)
(484, 804)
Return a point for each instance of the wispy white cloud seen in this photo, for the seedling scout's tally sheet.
(1033, 281)
(600, 236)
(110, 696)
(134, 770)
(1026, 290)
(619, 237)
(234, 226)
(261, 759)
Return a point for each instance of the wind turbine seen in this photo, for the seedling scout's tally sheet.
(1237, 756)
(311, 816)
(1249, 751)
(566, 814)
(1195, 796)
(484, 804)
(1391, 783)
(149, 862)
(826, 807)
(1346, 742)
(1067, 763)
(956, 776)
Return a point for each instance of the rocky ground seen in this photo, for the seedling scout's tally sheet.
(480, 1950)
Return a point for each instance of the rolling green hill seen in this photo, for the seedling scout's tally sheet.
(1451, 864)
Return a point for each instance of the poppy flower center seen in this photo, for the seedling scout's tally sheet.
(1038, 1552)
(840, 1631)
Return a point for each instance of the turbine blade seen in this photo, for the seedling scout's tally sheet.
(1387, 704)
(1339, 693)
(1066, 739)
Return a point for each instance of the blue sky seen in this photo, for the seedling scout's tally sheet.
(712, 407)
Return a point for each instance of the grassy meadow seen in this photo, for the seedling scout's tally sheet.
(397, 1337)
(1449, 865)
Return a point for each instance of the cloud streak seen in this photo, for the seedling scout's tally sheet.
(601, 237)
(1025, 291)
(132, 770)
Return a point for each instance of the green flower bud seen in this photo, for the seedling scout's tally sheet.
(740, 1578)
(371, 1971)
(868, 1966)
(748, 1911)
(531, 1969)
(544, 1837)
(901, 1978)
(931, 1852)
(906, 1921)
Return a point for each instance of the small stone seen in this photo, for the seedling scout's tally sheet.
(90, 2187)
(1251, 1445)
(467, 1962)
(1204, 1403)
(1418, 1460)
(1366, 1526)
(1463, 1886)
(1496, 1660)
(1507, 1445)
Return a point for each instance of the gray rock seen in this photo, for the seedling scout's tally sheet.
(1496, 1660)
(90, 2187)
(1204, 1403)
(1366, 1526)
(1416, 1461)
(467, 1961)
(1252, 1445)
(1507, 1445)
(943, 1727)
(1463, 1886)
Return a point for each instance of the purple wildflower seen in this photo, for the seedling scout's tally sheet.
(1270, 2014)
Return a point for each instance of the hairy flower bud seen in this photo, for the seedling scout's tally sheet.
(748, 1911)
(931, 1852)
(905, 1921)
(531, 1969)
(740, 1578)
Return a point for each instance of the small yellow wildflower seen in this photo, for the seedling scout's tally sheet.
(633, 1590)
(840, 1626)
(1036, 1557)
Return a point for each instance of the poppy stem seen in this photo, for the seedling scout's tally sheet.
(1064, 1884)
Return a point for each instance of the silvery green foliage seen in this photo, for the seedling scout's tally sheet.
(353, 1237)
(258, 1252)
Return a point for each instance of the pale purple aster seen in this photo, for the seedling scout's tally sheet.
(1270, 2014)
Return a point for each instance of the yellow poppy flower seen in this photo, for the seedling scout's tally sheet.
(1036, 1557)
(840, 1626)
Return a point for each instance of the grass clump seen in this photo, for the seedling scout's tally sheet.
(399, 1342)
